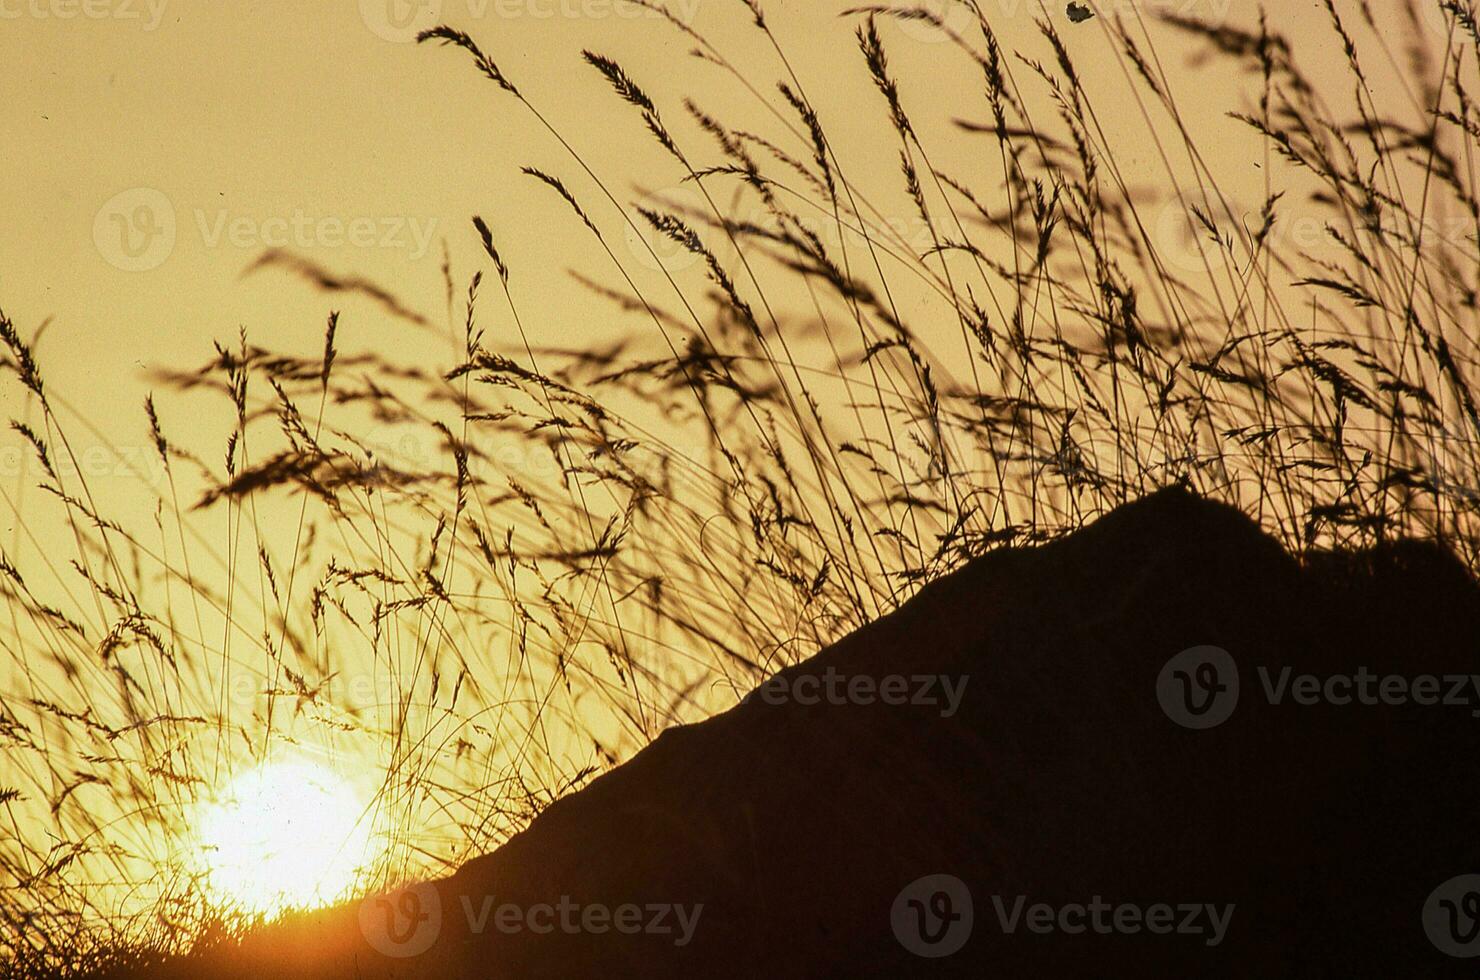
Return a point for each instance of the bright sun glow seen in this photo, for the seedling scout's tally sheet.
(284, 835)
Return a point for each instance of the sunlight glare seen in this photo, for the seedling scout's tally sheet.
(284, 835)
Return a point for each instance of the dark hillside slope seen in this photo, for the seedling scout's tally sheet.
(1061, 777)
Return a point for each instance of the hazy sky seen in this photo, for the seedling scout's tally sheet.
(155, 148)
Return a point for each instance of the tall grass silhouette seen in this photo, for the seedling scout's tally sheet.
(483, 581)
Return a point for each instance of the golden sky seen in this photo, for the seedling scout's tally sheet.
(155, 148)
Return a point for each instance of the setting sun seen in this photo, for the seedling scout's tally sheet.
(284, 835)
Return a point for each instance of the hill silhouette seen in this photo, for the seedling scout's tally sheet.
(1182, 812)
